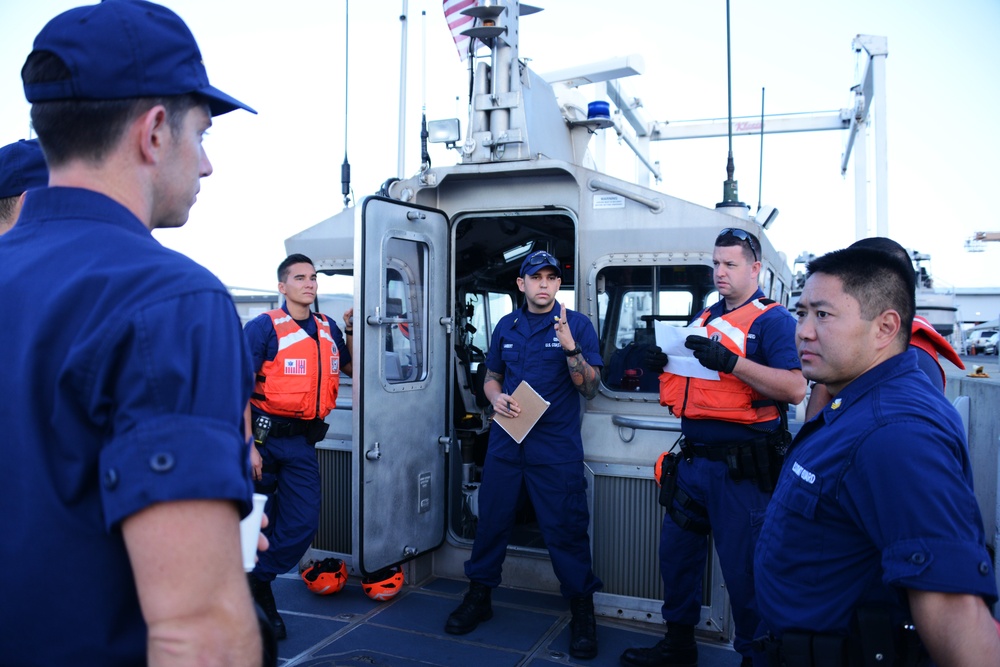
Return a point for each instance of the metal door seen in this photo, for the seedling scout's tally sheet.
(400, 406)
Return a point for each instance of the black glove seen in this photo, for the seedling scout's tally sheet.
(712, 354)
(656, 359)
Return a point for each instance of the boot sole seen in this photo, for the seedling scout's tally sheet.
(584, 655)
(464, 630)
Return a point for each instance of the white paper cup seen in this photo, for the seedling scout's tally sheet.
(250, 531)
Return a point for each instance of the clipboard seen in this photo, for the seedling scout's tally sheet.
(533, 407)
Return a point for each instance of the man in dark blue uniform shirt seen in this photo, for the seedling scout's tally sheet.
(22, 168)
(927, 342)
(556, 352)
(298, 357)
(732, 433)
(873, 527)
(124, 439)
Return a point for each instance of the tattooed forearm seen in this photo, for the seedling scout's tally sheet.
(583, 375)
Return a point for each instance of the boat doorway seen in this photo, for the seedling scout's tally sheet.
(488, 249)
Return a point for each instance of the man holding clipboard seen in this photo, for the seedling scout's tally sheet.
(729, 397)
(554, 352)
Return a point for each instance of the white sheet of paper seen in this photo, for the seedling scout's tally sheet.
(680, 360)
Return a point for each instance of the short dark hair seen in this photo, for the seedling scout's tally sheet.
(750, 244)
(296, 258)
(88, 129)
(887, 245)
(877, 279)
(7, 207)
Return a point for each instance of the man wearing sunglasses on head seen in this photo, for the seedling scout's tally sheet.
(734, 431)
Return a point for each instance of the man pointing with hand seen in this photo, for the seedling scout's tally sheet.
(554, 350)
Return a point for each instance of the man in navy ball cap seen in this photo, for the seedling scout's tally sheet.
(123, 49)
(126, 432)
(22, 168)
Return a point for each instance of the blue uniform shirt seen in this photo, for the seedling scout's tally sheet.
(875, 496)
(127, 380)
(770, 342)
(525, 347)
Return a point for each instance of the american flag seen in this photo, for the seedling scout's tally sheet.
(295, 366)
(458, 22)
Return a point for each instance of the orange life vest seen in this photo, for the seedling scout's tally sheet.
(728, 399)
(930, 341)
(302, 380)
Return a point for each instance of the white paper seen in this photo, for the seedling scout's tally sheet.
(680, 360)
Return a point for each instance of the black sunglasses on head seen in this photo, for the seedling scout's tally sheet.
(741, 235)
(542, 258)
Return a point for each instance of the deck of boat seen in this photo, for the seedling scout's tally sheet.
(528, 628)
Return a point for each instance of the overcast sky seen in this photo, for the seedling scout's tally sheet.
(279, 172)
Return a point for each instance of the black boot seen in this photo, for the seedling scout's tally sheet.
(677, 649)
(262, 595)
(582, 628)
(475, 608)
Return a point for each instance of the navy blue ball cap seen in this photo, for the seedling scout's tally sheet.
(22, 168)
(125, 49)
(539, 260)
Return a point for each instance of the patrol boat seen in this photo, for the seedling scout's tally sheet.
(432, 260)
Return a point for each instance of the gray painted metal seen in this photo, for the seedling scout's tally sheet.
(399, 415)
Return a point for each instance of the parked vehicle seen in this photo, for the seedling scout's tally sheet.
(991, 344)
(978, 341)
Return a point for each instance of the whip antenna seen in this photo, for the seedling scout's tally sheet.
(760, 177)
(345, 169)
(730, 194)
(402, 92)
(425, 158)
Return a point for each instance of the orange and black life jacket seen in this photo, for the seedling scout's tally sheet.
(728, 399)
(925, 337)
(302, 380)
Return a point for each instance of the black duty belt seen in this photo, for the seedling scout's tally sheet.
(713, 452)
(288, 429)
(878, 644)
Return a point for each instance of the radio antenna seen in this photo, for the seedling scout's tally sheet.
(345, 169)
(402, 94)
(760, 177)
(425, 158)
(730, 194)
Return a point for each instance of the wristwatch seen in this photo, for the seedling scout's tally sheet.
(572, 353)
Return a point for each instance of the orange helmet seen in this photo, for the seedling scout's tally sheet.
(658, 468)
(326, 577)
(384, 584)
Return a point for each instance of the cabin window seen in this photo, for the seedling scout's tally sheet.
(631, 300)
(500, 304)
(768, 278)
(405, 311)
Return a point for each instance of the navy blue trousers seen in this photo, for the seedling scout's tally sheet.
(559, 495)
(291, 479)
(736, 513)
